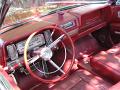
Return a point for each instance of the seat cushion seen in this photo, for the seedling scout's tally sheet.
(115, 87)
(107, 63)
(82, 80)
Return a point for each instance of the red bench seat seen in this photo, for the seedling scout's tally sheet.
(107, 63)
(115, 87)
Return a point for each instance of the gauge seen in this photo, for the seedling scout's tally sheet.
(48, 37)
(12, 52)
(37, 40)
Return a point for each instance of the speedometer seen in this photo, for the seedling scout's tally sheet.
(37, 40)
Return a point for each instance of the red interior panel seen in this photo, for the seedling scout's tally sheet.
(115, 21)
(115, 87)
(115, 13)
(91, 17)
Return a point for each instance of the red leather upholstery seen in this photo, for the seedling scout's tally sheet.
(115, 22)
(107, 63)
(115, 27)
(115, 87)
(82, 80)
(115, 12)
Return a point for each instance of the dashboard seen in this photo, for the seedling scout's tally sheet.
(77, 22)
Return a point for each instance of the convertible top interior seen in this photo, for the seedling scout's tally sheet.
(73, 49)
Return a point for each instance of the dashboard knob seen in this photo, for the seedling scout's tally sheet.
(60, 15)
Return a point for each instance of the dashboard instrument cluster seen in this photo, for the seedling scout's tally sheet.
(16, 50)
(37, 40)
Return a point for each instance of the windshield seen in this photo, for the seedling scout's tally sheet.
(23, 9)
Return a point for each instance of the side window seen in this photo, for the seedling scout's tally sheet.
(0, 4)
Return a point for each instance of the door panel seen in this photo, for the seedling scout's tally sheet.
(115, 13)
(115, 21)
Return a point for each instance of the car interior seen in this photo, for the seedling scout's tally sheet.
(76, 47)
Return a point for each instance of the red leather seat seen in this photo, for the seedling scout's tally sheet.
(107, 63)
(115, 87)
(82, 80)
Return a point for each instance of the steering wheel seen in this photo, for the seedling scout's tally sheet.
(47, 52)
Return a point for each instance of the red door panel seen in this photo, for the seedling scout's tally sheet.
(116, 13)
(115, 21)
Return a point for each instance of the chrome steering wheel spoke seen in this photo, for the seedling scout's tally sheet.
(33, 59)
(46, 54)
(45, 68)
(53, 44)
(56, 66)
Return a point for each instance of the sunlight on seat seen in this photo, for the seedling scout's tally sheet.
(116, 66)
(103, 53)
(114, 50)
(118, 58)
(95, 81)
(86, 73)
(88, 87)
(100, 58)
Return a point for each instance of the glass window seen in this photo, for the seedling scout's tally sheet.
(22, 9)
